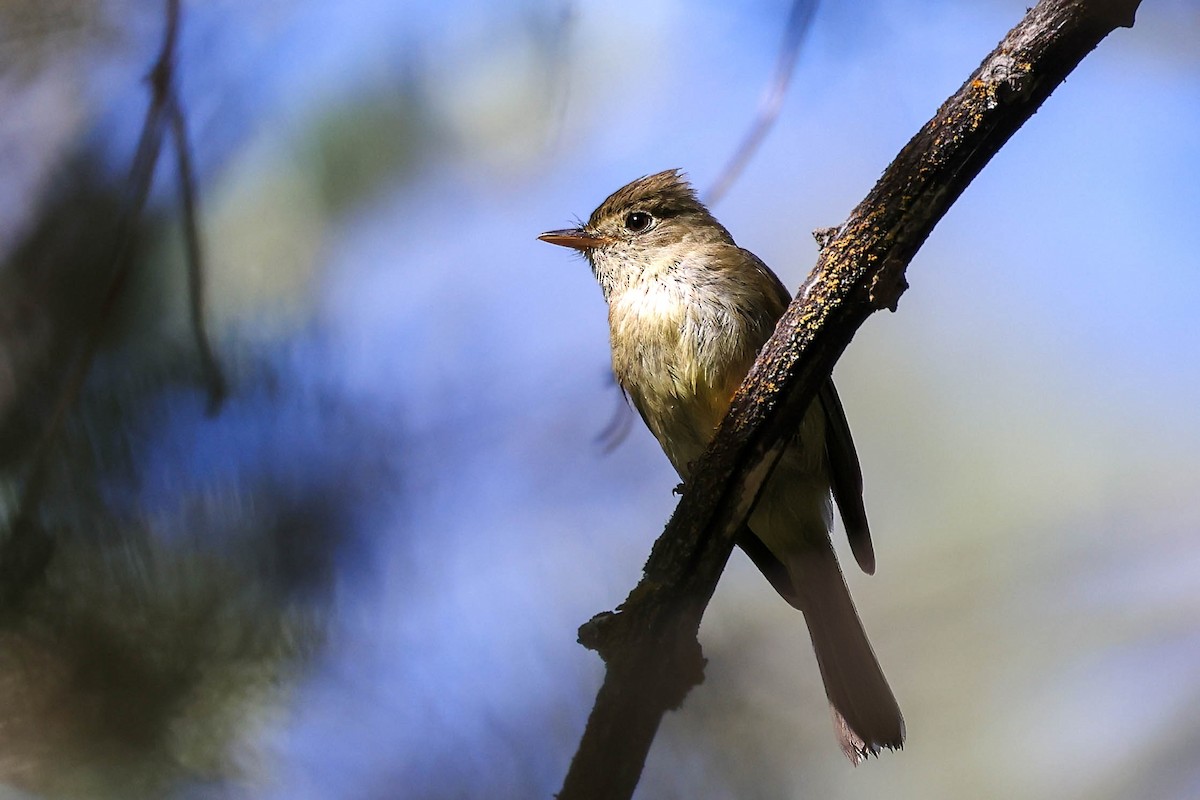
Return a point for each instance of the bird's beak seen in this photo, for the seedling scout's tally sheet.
(573, 237)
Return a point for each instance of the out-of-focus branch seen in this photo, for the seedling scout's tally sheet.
(213, 377)
(27, 549)
(649, 644)
(772, 101)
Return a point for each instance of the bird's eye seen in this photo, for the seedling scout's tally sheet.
(638, 221)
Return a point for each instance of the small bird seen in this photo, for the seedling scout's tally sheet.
(688, 311)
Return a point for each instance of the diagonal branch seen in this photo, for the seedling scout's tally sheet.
(649, 644)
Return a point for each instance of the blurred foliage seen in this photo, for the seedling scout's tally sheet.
(363, 147)
(34, 32)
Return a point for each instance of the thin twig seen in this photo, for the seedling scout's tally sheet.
(772, 101)
(617, 429)
(211, 368)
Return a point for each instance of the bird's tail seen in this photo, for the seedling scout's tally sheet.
(866, 715)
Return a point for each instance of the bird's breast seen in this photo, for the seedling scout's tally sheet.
(680, 351)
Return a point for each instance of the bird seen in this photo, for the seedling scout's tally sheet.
(688, 312)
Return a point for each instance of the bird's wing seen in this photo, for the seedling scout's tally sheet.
(845, 473)
(845, 477)
(770, 566)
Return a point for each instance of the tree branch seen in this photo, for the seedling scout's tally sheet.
(649, 644)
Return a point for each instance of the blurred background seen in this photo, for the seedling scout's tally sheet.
(362, 576)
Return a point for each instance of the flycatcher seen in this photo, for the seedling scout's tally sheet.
(688, 311)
